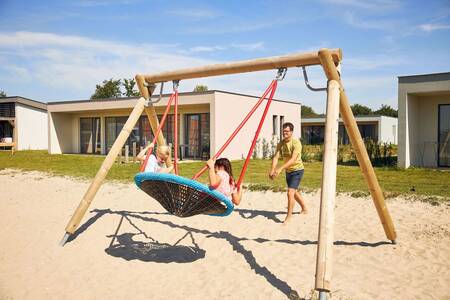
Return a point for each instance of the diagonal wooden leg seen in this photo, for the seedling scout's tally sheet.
(360, 150)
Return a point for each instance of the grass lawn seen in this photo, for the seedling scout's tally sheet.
(424, 182)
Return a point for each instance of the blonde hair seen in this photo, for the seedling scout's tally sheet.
(163, 150)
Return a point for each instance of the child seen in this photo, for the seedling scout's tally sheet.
(221, 179)
(156, 163)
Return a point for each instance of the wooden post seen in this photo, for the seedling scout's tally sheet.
(358, 145)
(328, 193)
(127, 149)
(103, 171)
(134, 152)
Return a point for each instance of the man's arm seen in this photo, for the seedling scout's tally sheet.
(288, 163)
(274, 165)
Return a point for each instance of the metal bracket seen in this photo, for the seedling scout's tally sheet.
(176, 84)
(148, 102)
(281, 74)
(307, 82)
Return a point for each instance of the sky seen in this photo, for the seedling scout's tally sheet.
(57, 50)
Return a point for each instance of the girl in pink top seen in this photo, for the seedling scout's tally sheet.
(221, 179)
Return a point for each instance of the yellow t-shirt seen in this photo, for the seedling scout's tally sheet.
(286, 150)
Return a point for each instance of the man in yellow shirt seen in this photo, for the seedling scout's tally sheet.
(290, 149)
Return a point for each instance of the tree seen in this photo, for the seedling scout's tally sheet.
(307, 111)
(361, 110)
(129, 85)
(386, 110)
(3, 94)
(109, 89)
(200, 88)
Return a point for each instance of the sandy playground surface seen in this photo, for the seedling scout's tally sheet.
(127, 247)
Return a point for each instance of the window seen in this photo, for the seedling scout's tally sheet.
(197, 136)
(275, 128)
(369, 132)
(90, 142)
(313, 134)
(281, 127)
(444, 135)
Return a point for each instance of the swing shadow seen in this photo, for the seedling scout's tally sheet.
(234, 241)
(153, 251)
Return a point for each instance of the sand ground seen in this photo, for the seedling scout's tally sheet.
(128, 247)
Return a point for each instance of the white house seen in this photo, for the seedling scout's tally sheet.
(381, 129)
(424, 120)
(23, 122)
(206, 120)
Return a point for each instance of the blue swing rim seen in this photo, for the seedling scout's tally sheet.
(144, 176)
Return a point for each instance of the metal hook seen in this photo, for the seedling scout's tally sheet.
(281, 73)
(176, 84)
(308, 85)
(160, 94)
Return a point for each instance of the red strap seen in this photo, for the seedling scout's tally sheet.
(161, 124)
(270, 88)
(255, 138)
(175, 133)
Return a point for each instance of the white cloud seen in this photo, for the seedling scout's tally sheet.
(93, 3)
(242, 27)
(372, 63)
(433, 27)
(380, 24)
(194, 13)
(61, 65)
(74, 62)
(367, 4)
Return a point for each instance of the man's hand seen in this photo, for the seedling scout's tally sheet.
(272, 174)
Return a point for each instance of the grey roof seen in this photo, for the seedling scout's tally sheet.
(424, 78)
(154, 96)
(24, 101)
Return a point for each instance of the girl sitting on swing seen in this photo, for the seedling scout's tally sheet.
(221, 179)
(156, 163)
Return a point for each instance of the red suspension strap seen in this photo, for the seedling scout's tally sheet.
(175, 127)
(261, 122)
(272, 87)
(161, 124)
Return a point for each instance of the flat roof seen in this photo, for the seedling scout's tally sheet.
(24, 101)
(424, 78)
(155, 96)
(357, 118)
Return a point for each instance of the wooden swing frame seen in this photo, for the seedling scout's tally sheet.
(337, 102)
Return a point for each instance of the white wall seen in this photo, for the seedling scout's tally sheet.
(61, 133)
(228, 111)
(388, 130)
(32, 131)
(418, 120)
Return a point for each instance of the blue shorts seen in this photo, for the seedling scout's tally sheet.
(293, 178)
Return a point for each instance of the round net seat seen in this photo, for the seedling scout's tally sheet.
(183, 197)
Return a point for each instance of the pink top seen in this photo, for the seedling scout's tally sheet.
(224, 186)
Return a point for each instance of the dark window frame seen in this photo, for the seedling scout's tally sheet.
(439, 138)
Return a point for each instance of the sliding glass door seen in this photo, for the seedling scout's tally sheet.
(444, 135)
(90, 140)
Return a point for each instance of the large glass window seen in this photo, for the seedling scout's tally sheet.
(369, 131)
(313, 134)
(141, 134)
(197, 136)
(90, 141)
(444, 136)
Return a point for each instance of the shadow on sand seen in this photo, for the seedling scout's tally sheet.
(130, 249)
